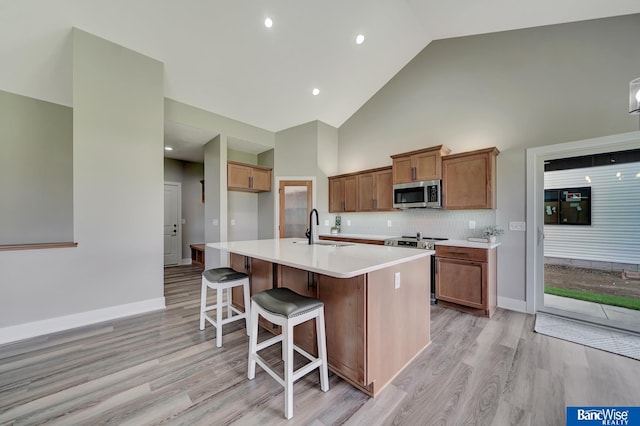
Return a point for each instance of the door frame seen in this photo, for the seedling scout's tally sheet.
(535, 201)
(276, 207)
(293, 183)
(178, 185)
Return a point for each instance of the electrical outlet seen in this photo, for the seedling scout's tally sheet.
(517, 226)
(348, 222)
(397, 280)
(472, 224)
(215, 222)
(388, 224)
(233, 222)
(326, 222)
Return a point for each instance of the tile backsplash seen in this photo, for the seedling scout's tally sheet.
(452, 224)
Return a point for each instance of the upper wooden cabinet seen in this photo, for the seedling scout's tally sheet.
(375, 190)
(248, 177)
(365, 191)
(423, 164)
(469, 180)
(343, 193)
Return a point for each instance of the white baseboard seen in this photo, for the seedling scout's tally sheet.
(52, 325)
(512, 304)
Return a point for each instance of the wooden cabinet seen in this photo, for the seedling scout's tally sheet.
(373, 328)
(466, 279)
(248, 177)
(423, 164)
(365, 191)
(345, 323)
(469, 180)
(304, 283)
(260, 279)
(197, 254)
(375, 190)
(343, 193)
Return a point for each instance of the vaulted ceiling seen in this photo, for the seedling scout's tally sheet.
(219, 56)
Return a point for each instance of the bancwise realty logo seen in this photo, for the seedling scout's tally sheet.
(619, 416)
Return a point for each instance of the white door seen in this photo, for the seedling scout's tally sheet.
(171, 223)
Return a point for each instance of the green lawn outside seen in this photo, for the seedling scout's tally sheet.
(605, 299)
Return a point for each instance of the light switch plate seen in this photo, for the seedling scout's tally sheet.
(517, 226)
(472, 224)
(215, 222)
(348, 222)
(233, 222)
(388, 224)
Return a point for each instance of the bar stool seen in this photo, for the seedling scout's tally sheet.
(287, 309)
(221, 279)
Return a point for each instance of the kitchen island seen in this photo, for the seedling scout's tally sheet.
(376, 300)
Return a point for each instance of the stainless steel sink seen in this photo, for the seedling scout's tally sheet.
(324, 243)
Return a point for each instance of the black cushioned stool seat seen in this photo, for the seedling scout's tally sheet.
(286, 303)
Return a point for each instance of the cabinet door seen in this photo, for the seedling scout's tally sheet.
(468, 181)
(350, 194)
(336, 195)
(366, 184)
(428, 165)
(383, 184)
(344, 311)
(402, 170)
(261, 180)
(462, 282)
(302, 282)
(238, 176)
(238, 263)
(260, 279)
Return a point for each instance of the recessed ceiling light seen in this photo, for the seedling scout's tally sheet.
(168, 148)
(268, 23)
(315, 91)
(359, 39)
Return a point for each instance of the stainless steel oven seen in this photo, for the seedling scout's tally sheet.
(419, 242)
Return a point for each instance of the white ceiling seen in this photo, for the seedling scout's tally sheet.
(219, 56)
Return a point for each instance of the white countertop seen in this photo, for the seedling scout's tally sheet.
(358, 236)
(466, 243)
(339, 262)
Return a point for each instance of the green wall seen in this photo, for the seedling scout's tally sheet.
(36, 171)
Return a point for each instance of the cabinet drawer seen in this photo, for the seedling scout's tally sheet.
(468, 253)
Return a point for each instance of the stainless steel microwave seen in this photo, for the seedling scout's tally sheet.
(421, 194)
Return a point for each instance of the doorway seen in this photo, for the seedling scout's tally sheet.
(295, 204)
(172, 223)
(579, 224)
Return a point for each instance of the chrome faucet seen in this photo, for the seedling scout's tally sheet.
(309, 232)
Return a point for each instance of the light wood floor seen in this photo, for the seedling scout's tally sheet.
(159, 368)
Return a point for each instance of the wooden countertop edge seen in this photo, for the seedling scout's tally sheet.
(37, 246)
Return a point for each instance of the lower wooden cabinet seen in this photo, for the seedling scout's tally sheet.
(345, 322)
(260, 279)
(304, 283)
(466, 279)
(373, 329)
(344, 306)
